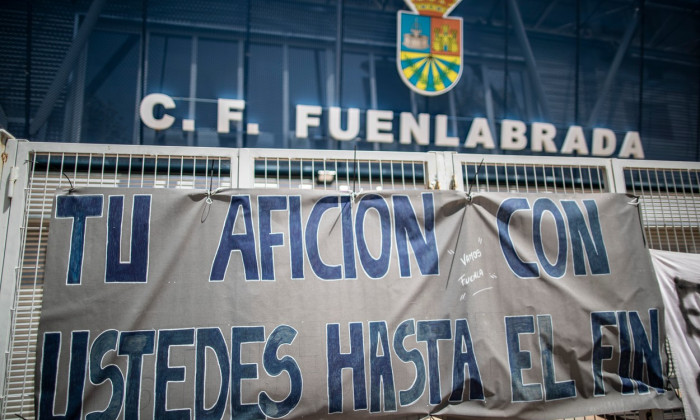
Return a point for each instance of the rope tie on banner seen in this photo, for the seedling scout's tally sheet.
(209, 191)
(471, 184)
(353, 194)
(72, 188)
(209, 194)
(634, 202)
(461, 223)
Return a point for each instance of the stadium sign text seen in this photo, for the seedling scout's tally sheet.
(383, 126)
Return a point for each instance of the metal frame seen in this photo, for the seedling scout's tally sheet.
(27, 211)
(32, 171)
(669, 196)
(577, 172)
(354, 165)
(9, 253)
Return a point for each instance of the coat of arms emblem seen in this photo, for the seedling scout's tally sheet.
(429, 46)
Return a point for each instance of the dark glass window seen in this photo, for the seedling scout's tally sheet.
(356, 81)
(308, 85)
(264, 100)
(218, 73)
(392, 93)
(110, 88)
(168, 72)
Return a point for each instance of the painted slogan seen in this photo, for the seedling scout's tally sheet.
(288, 304)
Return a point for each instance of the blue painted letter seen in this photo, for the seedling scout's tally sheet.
(78, 207)
(213, 339)
(431, 332)
(274, 366)
(464, 355)
(519, 359)
(136, 269)
(407, 228)
(380, 369)
(338, 361)
(600, 352)
(589, 239)
(522, 269)
(409, 396)
(243, 242)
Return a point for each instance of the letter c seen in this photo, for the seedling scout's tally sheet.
(146, 111)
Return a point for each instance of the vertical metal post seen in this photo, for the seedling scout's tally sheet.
(615, 176)
(285, 95)
(28, 71)
(697, 124)
(578, 61)
(641, 67)
(66, 67)
(73, 126)
(12, 228)
(443, 170)
(241, 80)
(453, 112)
(488, 98)
(72, 108)
(373, 88)
(246, 72)
(144, 68)
(505, 60)
(331, 96)
(520, 33)
(246, 169)
(621, 50)
(339, 53)
(192, 108)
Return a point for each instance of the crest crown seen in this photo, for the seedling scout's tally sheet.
(433, 7)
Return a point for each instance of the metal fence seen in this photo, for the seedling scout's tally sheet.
(669, 194)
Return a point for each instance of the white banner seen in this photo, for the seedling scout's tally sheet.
(679, 279)
(163, 304)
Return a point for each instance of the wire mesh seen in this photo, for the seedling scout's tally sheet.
(339, 174)
(535, 178)
(669, 205)
(49, 172)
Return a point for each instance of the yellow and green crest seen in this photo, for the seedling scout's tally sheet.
(429, 46)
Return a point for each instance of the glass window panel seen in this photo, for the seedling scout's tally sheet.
(392, 93)
(308, 74)
(355, 91)
(439, 104)
(217, 69)
(169, 63)
(470, 93)
(110, 87)
(217, 77)
(307, 71)
(264, 100)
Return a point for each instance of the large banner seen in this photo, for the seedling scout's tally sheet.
(249, 304)
(679, 277)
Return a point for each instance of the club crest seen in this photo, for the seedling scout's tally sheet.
(429, 46)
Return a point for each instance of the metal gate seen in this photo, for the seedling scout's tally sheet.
(669, 194)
